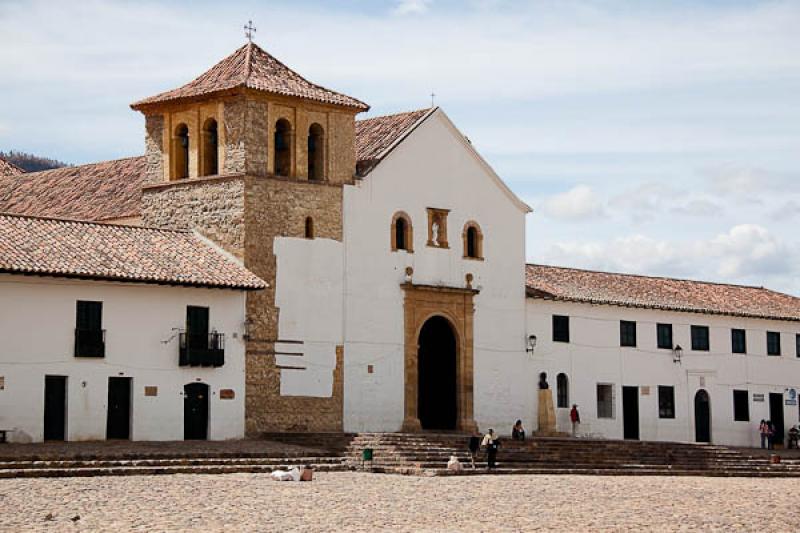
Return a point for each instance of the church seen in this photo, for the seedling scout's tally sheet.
(382, 267)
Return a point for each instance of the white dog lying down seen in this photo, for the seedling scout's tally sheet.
(291, 475)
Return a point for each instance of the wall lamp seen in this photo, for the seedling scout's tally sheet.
(531, 343)
(677, 354)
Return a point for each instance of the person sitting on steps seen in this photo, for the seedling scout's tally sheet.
(518, 432)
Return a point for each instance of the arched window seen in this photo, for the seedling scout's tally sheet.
(209, 148)
(180, 152)
(283, 152)
(402, 234)
(473, 241)
(316, 152)
(309, 228)
(562, 390)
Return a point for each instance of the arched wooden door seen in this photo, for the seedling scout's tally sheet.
(702, 416)
(195, 411)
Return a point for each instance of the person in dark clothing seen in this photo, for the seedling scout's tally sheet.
(518, 432)
(474, 446)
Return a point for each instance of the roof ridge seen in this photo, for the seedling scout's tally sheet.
(247, 59)
(82, 165)
(646, 276)
(94, 223)
(390, 115)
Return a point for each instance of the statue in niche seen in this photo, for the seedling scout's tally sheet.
(543, 381)
(435, 232)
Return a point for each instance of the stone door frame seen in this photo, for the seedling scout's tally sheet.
(456, 305)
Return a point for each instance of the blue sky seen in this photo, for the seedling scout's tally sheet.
(650, 137)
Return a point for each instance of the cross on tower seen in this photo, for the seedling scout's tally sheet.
(433, 97)
(249, 30)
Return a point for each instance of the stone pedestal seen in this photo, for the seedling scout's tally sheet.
(547, 413)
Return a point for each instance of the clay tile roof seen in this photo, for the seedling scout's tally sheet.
(570, 284)
(251, 67)
(376, 135)
(9, 169)
(100, 191)
(69, 248)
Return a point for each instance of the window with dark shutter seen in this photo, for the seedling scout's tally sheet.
(773, 343)
(89, 333)
(741, 406)
(666, 401)
(664, 336)
(562, 390)
(560, 328)
(797, 344)
(738, 341)
(627, 333)
(700, 341)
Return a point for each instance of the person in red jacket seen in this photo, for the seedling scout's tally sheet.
(575, 417)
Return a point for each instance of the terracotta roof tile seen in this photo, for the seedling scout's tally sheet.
(8, 169)
(58, 247)
(100, 191)
(377, 134)
(570, 284)
(251, 67)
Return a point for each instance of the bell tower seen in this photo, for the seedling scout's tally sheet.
(248, 152)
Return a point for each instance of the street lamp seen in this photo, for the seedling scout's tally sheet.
(531, 343)
(677, 354)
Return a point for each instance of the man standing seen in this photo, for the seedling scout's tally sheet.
(575, 417)
(491, 444)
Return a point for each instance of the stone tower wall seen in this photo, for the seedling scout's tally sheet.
(278, 208)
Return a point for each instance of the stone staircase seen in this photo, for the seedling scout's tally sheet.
(428, 454)
(399, 453)
(139, 465)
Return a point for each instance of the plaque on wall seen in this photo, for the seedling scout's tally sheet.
(645, 390)
(758, 397)
(226, 394)
(151, 391)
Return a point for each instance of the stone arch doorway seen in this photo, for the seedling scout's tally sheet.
(702, 416)
(436, 389)
(438, 319)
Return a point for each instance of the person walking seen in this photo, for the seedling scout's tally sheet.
(474, 445)
(491, 443)
(770, 435)
(575, 418)
(763, 429)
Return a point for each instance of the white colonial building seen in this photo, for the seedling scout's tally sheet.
(665, 359)
(397, 293)
(118, 332)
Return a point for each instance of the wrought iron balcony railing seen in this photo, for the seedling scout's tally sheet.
(90, 342)
(203, 349)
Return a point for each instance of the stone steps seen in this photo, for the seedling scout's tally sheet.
(198, 465)
(429, 453)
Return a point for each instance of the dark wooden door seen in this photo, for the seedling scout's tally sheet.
(776, 416)
(118, 418)
(630, 412)
(436, 393)
(195, 411)
(55, 407)
(702, 417)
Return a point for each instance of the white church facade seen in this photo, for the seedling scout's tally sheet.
(396, 295)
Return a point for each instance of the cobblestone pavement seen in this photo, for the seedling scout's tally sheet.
(369, 502)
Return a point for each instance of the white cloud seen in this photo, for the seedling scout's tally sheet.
(787, 210)
(578, 203)
(698, 207)
(746, 253)
(411, 7)
(749, 183)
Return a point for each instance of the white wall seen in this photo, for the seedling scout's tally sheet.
(594, 355)
(309, 296)
(433, 168)
(37, 321)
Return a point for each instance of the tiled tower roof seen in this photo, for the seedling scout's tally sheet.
(253, 68)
